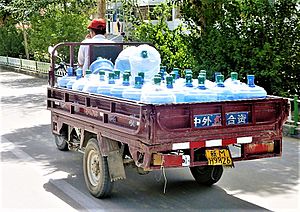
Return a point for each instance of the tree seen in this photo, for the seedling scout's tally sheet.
(101, 8)
(248, 36)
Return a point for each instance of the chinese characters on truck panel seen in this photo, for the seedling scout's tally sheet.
(211, 120)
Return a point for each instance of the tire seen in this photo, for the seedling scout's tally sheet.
(61, 142)
(207, 175)
(95, 170)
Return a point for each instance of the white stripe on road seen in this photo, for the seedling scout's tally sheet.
(55, 178)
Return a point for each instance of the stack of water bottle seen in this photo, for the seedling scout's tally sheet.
(137, 75)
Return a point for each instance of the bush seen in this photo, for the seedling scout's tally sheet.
(11, 40)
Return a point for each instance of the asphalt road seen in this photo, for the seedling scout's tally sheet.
(36, 176)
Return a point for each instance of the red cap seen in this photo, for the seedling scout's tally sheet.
(97, 24)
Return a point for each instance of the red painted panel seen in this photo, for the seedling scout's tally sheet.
(172, 160)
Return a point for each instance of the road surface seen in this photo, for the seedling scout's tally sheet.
(36, 176)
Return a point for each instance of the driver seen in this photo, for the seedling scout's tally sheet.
(97, 30)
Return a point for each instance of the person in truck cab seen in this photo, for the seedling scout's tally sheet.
(97, 31)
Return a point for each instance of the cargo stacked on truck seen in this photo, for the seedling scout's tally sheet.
(113, 132)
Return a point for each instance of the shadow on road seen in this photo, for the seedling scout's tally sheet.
(146, 192)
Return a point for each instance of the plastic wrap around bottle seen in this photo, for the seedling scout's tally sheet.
(251, 91)
(201, 93)
(118, 89)
(156, 94)
(123, 60)
(134, 93)
(105, 89)
(101, 64)
(95, 81)
(63, 81)
(79, 84)
(145, 59)
(223, 93)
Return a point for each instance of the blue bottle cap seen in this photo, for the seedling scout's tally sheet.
(250, 80)
(138, 82)
(70, 71)
(79, 72)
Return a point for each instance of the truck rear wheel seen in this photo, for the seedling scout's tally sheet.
(207, 175)
(61, 142)
(95, 170)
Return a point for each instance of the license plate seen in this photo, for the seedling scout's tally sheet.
(218, 157)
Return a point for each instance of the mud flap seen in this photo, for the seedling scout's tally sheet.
(115, 166)
(111, 149)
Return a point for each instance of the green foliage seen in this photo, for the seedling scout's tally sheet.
(54, 28)
(170, 43)
(250, 37)
(49, 21)
(11, 40)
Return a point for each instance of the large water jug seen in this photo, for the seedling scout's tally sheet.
(252, 90)
(176, 90)
(95, 81)
(201, 93)
(123, 60)
(118, 89)
(208, 84)
(134, 93)
(176, 72)
(79, 84)
(181, 82)
(101, 64)
(162, 72)
(63, 81)
(156, 94)
(117, 76)
(145, 59)
(105, 88)
(78, 76)
(235, 85)
(222, 92)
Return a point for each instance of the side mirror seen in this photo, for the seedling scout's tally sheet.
(50, 50)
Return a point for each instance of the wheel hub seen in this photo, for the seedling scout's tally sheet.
(93, 167)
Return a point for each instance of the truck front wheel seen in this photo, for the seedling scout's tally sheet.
(207, 175)
(95, 170)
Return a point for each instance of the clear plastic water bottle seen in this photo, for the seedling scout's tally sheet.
(176, 90)
(101, 64)
(142, 75)
(176, 72)
(72, 81)
(234, 85)
(201, 93)
(123, 60)
(209, 84)
(162, 72)
(146, 59)
(105, 88)
(255, 91)
(117, 74)
(118, 89)
(79, 84)
(134, 93)
(222, 92)
(63, 81)
(94, 82)
(156, 94)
